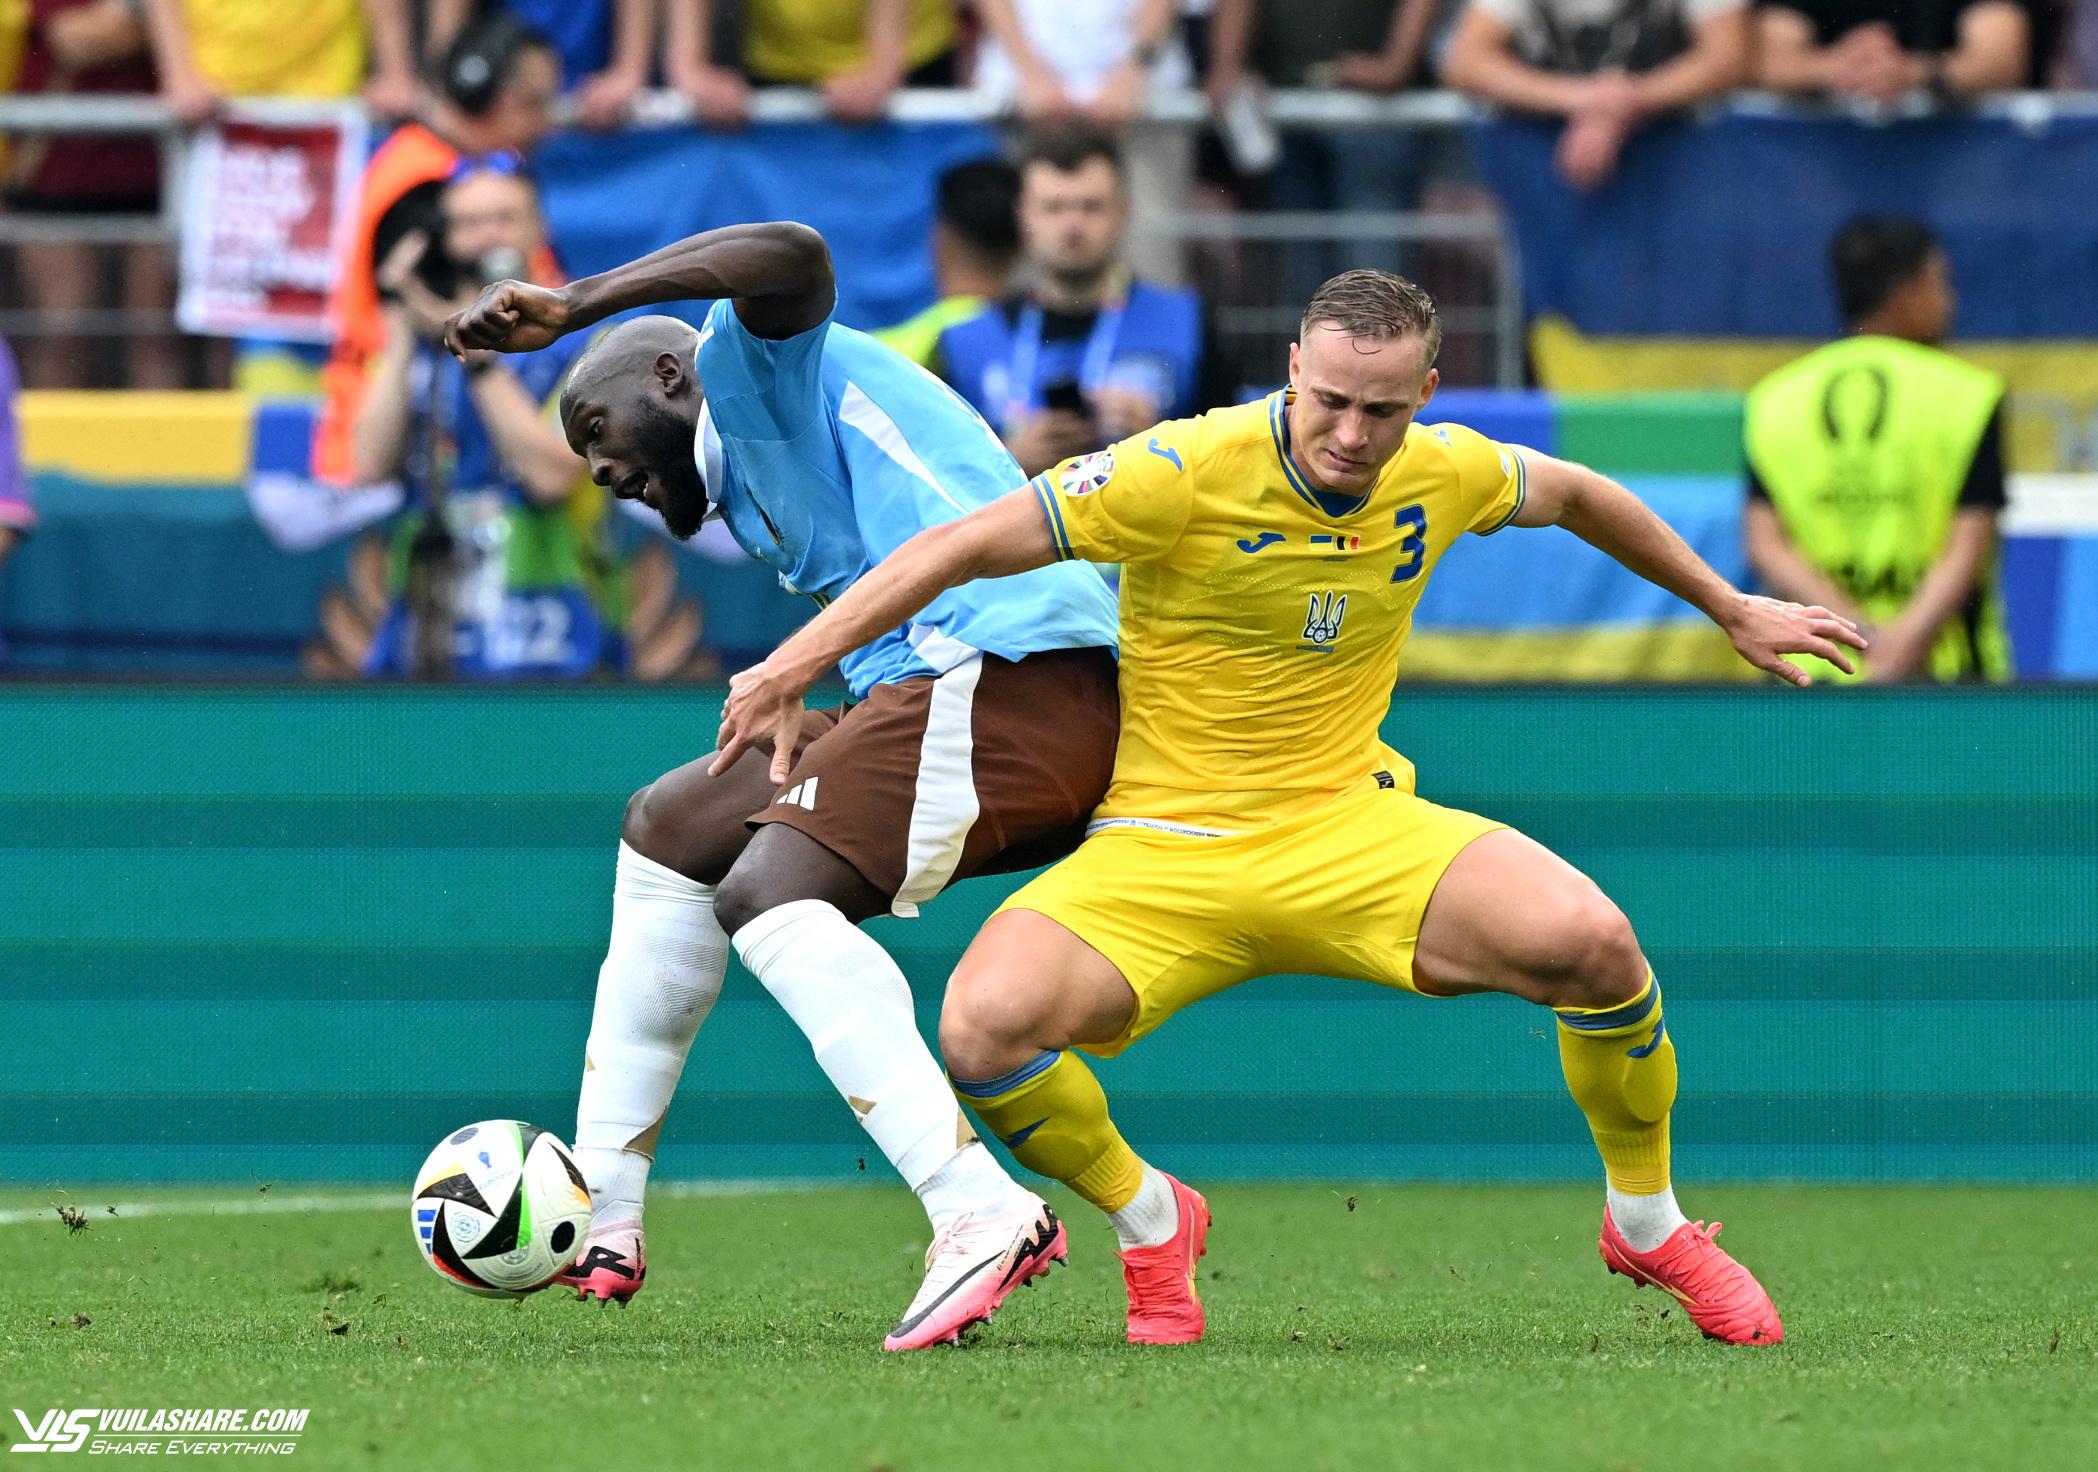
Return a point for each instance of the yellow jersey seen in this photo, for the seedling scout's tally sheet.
(811, 41)
(1261, 617)
(267, 48)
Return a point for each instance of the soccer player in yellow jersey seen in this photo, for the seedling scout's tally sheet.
(1271, 558)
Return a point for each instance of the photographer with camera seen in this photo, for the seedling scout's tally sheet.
(494, 572)
(1088, 353)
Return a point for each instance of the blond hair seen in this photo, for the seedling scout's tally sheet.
(1377, 305)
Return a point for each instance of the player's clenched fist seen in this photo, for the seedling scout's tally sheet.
(510, 317)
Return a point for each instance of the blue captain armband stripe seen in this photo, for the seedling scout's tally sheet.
(1631, 1014)
(1005, 1083)
(1054, 514)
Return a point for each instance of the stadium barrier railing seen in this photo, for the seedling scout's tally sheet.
(1496, 319)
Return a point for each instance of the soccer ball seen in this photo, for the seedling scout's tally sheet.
(500, 1208)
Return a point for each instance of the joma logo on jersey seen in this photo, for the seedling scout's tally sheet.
(1322, 621)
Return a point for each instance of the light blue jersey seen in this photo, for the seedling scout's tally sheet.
(826, 451)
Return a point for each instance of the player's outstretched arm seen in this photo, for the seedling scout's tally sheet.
(1610, 518)
(764, 704)
(778, 274)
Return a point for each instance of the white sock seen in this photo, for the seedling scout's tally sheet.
(972, 1183)
(1645, 1222)
(852, 1003)
(1152, 1215)
(662, 971)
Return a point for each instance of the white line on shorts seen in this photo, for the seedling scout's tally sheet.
(96, 1208)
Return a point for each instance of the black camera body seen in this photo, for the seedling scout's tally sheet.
(421, 209)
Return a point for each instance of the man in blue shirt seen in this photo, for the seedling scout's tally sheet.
(1085, 354)
(980, 736)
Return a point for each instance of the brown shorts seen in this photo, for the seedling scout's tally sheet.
(991, 767)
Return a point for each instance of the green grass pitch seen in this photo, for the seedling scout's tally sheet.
(1365, 1326)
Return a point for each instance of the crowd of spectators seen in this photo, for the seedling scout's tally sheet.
(1047, 320)
(1604, 67)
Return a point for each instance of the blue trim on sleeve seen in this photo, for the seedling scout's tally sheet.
(1055, 517)
(1005, 1083)
(1522, 491)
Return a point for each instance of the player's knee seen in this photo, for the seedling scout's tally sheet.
(988, 1028)
(743, 896)
(967, 1046)
(653, 829)
(678, 826)
(1591, 958)
(636, 829)
(782, 865)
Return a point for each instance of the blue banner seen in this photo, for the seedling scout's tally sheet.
(612, 197)
(1722, 228)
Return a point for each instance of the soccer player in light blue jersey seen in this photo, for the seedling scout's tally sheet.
(979, 737)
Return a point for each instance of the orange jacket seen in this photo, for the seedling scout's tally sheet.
(413, 155)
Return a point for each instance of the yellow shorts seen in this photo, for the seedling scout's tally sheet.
(1339, 891)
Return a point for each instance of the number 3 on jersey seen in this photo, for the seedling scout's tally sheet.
(1414, 545)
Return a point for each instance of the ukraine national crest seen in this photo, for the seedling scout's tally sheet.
(1322, 623)
(1087, 474)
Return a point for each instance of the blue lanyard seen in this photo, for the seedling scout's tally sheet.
(1026, 359)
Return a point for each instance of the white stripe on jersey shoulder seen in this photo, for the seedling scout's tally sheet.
(871, 420)
(946, 806)
(710, 456)
(959, 402)
(706, 449)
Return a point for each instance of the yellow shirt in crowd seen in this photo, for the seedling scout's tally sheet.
(278, 48)
(809, 41)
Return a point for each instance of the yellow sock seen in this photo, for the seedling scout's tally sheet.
(1052, 1115)
(1620, 1068)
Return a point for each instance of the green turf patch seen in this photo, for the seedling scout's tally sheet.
(1350, 1326)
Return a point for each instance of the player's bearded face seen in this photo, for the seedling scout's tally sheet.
(1355, 399)
(663, 446)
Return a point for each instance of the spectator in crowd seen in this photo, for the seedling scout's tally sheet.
(1363, 45)
(975, 244)
(92, 47)
(1875, 470)
(492, 577)
(1096, 62)
(1069, 59)
(17, 513)
(1605, 67)
(2077, 69)
(496, 88)
(607, 47)
(857, 51)
(209, 50)
(1086, 353)
(1878, 49)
